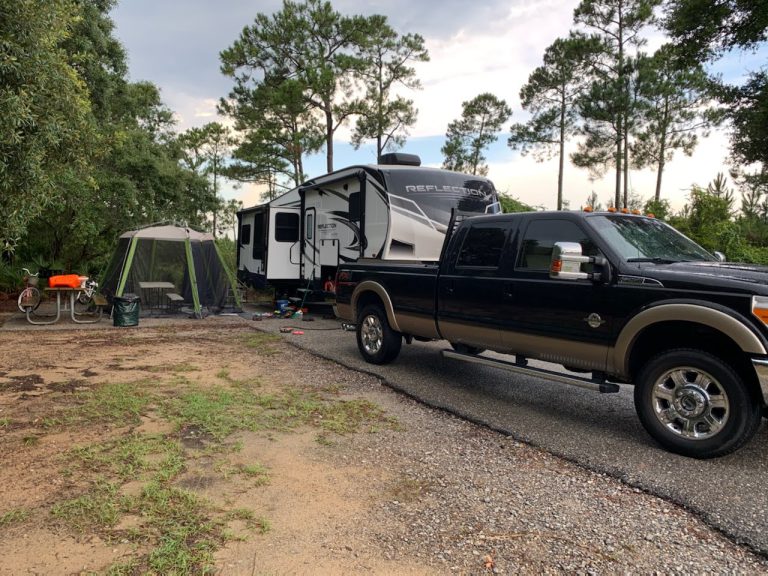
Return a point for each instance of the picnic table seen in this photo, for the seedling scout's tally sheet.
(153, 293)
(65, 302)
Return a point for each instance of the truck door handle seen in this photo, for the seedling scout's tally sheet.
(508, 291)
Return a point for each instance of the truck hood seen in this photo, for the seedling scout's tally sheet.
(729, 276)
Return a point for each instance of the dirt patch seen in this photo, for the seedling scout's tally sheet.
(70, 385)
(271, 461)
(23, 383)
(271, 488)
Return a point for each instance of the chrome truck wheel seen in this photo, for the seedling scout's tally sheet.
(695, 404)
(377, 342)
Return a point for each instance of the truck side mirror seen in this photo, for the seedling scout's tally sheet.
(566, 262)
(720, 256)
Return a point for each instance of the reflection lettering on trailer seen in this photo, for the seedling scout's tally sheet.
(483, 195)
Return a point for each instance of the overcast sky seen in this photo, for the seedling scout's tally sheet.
(479, 46)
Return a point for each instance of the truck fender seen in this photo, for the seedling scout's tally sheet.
(732, 327)
(381, 292)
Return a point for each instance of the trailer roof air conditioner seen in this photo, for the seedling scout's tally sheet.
(400, 158)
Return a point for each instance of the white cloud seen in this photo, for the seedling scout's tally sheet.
(536, 183)
(497, 58)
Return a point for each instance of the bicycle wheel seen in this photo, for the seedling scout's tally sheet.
(84, 304)
(29, 299)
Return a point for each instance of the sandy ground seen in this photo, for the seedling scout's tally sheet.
(312, 502)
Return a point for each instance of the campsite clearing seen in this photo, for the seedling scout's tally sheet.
(183, 444)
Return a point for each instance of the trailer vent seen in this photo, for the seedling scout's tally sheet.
(400, 159)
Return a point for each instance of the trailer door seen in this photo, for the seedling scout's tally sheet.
(310, 262)
(283, 254)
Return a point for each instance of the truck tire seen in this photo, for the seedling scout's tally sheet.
(462, 348)
(377, 342)
(694, 404)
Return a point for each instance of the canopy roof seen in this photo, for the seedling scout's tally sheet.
(167, 232)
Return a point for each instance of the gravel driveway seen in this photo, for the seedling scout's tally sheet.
(728, 492)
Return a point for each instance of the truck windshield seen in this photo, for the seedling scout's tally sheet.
(639, 239)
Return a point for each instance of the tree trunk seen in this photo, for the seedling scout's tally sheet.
(662, 150)
(562, 154)
(329, 136)
(619, 138)
(620, 119)
(215, 203)
(626, 164)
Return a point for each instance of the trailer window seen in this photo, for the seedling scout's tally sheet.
(354, 207)
(245, 234)
(258, 235)
(482, 247)
(286, 227)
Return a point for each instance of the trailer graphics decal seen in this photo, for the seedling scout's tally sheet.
(343, 219)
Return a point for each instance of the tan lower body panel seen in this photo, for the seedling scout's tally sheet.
(567, 352)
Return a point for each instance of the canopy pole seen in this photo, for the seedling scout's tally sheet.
(193, 278)
(230, 276)
(126, 266)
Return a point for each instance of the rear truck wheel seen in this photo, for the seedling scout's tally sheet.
(466, 348)
(694, 404)
(376, 340)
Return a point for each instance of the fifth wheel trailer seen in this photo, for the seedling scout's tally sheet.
(394, 210)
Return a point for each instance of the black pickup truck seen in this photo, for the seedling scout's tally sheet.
(617, 297)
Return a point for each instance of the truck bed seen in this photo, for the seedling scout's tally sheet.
(411, 286)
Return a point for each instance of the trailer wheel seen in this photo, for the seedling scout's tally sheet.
(462, 348)
(376, 340)
(694, 404)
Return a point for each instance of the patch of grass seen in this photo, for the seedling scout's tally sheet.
(123, 569)
(241, 514)
(258, 472)
(347, 416)
(5, 422)
(15, 516)
(30, 440)
(188, 537)
(223, 374)
(262, 342)
(118, 403)
(126, 457)
(49, 422)
(220, 411)
(175, 368)
(262, 525)
(98, 509)
(217, 411)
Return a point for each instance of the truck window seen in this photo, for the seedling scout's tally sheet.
(286, 227)
(245, 234)
(540, 238)
(482, 247)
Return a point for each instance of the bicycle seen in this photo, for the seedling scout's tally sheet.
(85, 297)
(29, 298)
